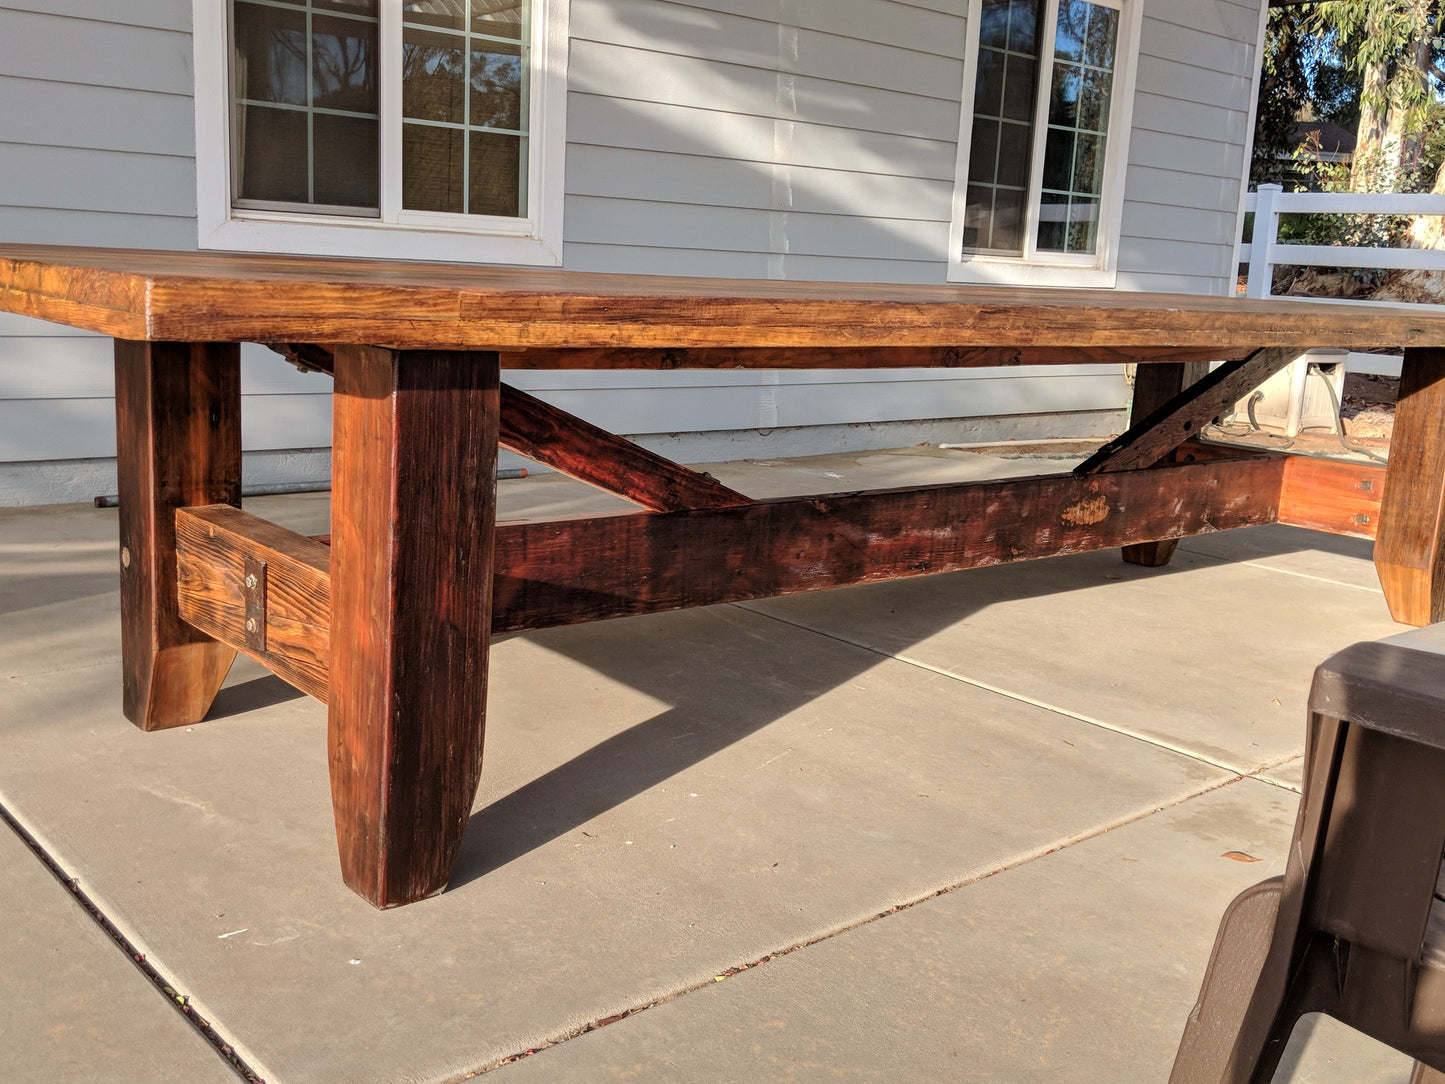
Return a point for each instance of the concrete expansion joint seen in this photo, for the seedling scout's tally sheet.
(163, 985)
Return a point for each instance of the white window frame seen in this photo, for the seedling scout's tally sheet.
(397, 234)
(1034, 268)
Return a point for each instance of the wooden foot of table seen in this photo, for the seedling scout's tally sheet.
(178, 443)
(413, 512)
(1155, 385)
(1410, 543)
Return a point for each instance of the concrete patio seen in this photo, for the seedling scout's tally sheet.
(978, 826)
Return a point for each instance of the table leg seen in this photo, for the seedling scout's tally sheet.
(1410, 543)
(178, 443)
(413, 510)
(1155, 385)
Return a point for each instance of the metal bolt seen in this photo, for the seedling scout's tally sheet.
(1362, 519)
(1366, 483)
(125, 557)
(250, 624)
(250, 583)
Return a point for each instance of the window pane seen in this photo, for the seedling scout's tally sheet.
(432, 176)
(472, 87)
(1102, 38)
(433, 73)
(451, 14)
(343, 64)
(1064, 96)
(1088, 165)
(317, 143)
(1058, 159)
(273, 158)
(1053, 222)
(1008, 219)
(355, 7)
(1018, 90)
(977, 216)
(988, 89)
(1001, 141)
(983, 152)
(494, 187)
(993, 21)
(1072, 29)
(270, 49)
(1083, 225)
(499, 18)
(346, 156)
(1014, 146)
(1023, 26)
(1079, 96)
(497, 87)
(1095, 91)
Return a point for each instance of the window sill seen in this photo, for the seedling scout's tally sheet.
(1004, 272)
(368, 239)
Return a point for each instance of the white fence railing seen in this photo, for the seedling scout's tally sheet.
(1271, 201)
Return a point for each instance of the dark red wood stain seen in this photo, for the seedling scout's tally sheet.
(178, 442)
(413, 509)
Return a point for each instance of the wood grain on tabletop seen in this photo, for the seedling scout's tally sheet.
(192, 296)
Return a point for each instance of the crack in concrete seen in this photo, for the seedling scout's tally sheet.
(179, 1002)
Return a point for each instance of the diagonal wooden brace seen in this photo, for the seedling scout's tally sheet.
(549, 435)
(1146, 443)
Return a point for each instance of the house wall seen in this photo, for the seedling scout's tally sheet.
(791, 139)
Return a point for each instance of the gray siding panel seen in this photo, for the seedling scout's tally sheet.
(96, 118)
(67, 178)
(104, 54)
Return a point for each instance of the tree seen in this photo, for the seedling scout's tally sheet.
(1395, 50)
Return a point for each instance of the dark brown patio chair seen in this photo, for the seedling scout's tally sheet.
(1355, 928)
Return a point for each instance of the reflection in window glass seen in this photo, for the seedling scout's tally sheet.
(305, 122)
(464, 102)
(1003, 106)
(305, 117)
(1079, 97)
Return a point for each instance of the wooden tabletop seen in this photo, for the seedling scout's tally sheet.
(195, 296)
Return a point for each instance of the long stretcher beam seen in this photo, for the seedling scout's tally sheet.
(560, 572)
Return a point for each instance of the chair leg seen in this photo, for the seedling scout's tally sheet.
(1235, 964)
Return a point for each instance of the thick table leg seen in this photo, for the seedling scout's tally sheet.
(178, 443)
(1155, 385)
(412, 518)
(1410, 543)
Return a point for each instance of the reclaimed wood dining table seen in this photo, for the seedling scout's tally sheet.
(388, 618)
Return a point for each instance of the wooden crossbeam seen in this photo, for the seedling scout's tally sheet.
(569, 571)
(1147, 442)
(566, 443)
(887, 357)
(1334, 495)
(562, 572)
(292, 631)
(551, 436)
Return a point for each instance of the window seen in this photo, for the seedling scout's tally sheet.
(422, 129)
(1046, 105)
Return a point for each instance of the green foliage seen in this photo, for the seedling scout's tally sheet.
(1336, 59)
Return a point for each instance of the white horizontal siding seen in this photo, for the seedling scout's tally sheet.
(109, 52)
(1186, 151)
(57, 400)
(711, 402)
(138, 122)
